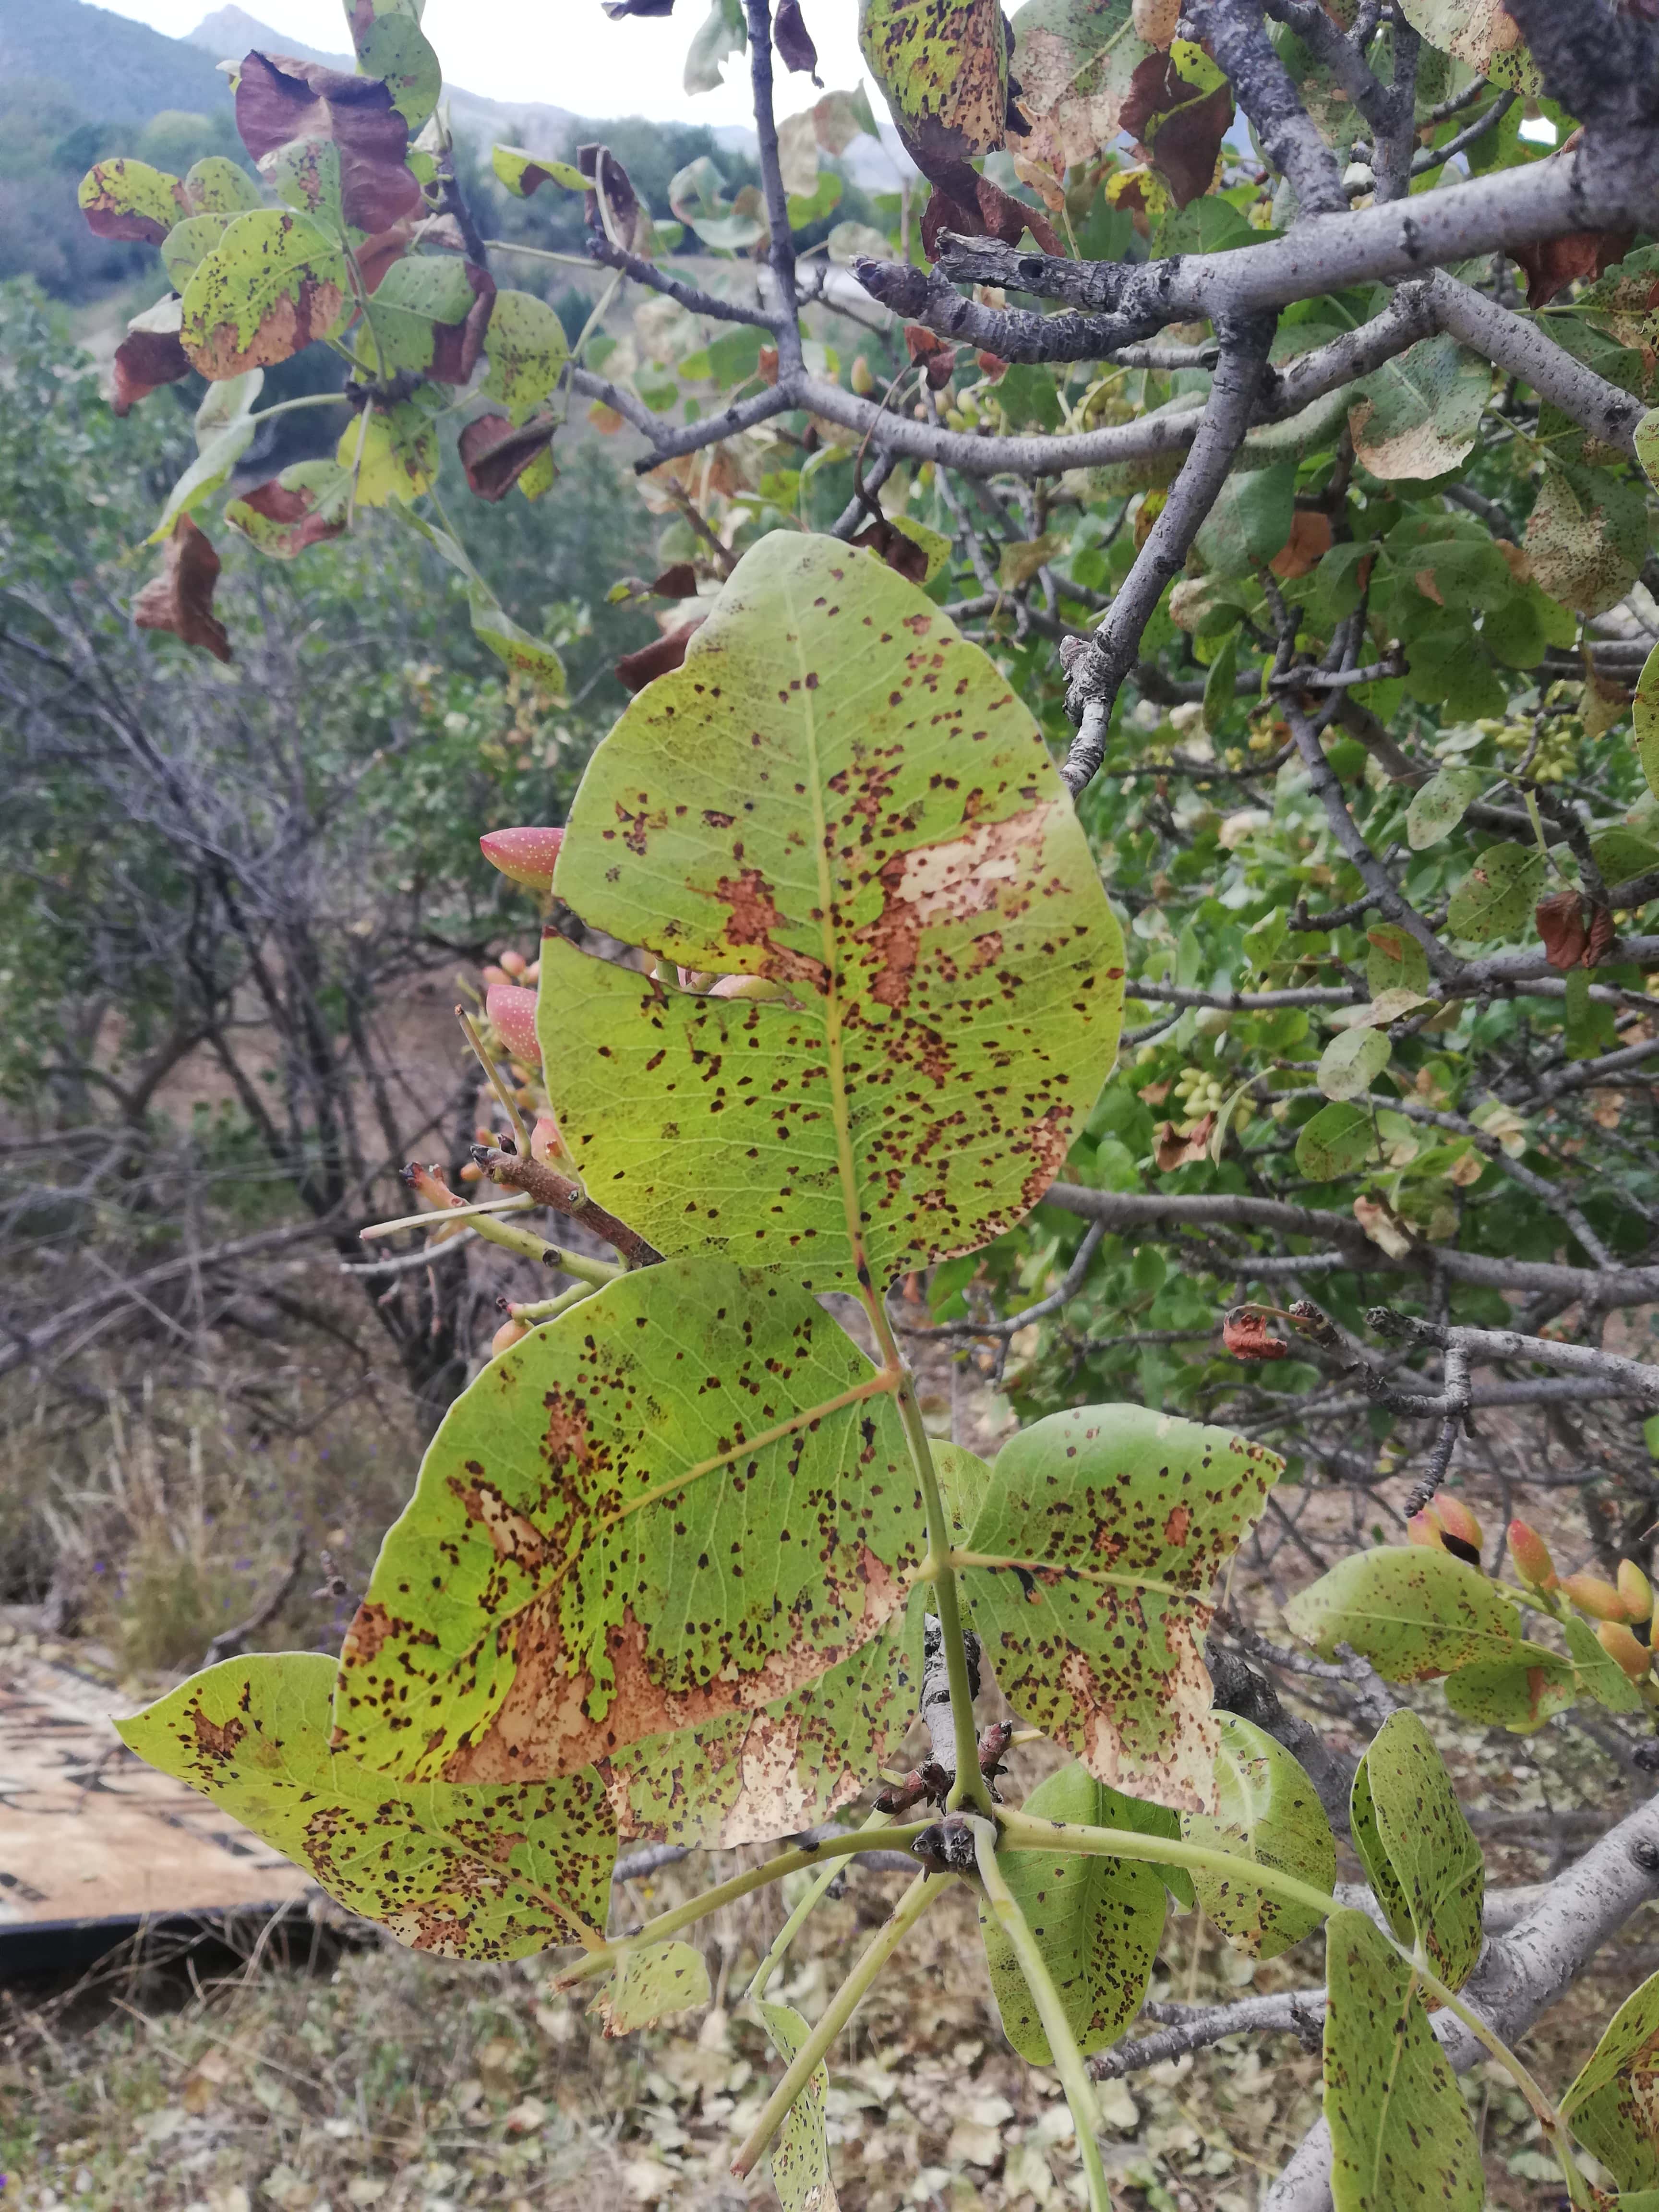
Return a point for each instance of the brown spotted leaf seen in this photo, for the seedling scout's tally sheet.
(272, 284)
(687, 1498)
(1425, 1864)
(653, 1982)
(1612, 2103)
(1092, 1560)
(837, 792)
(477, 1874)
(495, 452)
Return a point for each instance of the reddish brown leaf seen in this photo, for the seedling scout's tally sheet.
(1562, 926)
(496, 454)
(1174, 1151)
(1309, 543)
(456, 346)
(679, 582)
(1180, 135)
(1245, 1334)
(993, 365)
(936, 358)
(767, 364)
(279, 99)
(294, 511)
(795, 41)
(964, 202)
(1552, 263)
(1601, 935)
(897, 550)
(378, 254)
(636, 670)
(144, 360)
(181, 597)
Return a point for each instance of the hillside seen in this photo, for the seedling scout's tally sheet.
(104, 66)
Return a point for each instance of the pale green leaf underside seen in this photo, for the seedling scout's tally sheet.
(650, 1984)
(839, 794)
(685, 1499)
(1417, 1821)
(1267, 1812)
(1097, 1922)
(1598, 1672)
(1400, 2130)
(1520, 1694)
(1610, 2107)
(1095, 1548)
(472, 1873)
(1414, 1613)
(801, 2155)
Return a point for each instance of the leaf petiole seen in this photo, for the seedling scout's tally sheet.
(726, 1893)
(798, 1919)
(1051, 2011)
(845, 2002)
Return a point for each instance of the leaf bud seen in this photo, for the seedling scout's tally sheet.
(1635, 1590)
(512, 1011)
(1531, 1556)
(515, 963)
(509, 1333)
(1632, 1654)
(428, 1185)
(494, 974)
(471, 1172)
(526, 856)
(1594, 1597)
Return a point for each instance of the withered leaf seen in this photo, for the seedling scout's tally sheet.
(795, 41)
(647, 662)
(149, 355)
(1562, 926)
(1180, 124)
(495, 452)
(181, 597)
(280, 99)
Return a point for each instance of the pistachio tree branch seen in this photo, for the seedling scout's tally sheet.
(1236, 34)
(781, 247)
(1097, 670)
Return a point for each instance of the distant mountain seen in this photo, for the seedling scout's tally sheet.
(106, 66)
(231, 31)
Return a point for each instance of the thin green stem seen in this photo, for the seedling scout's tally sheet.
(1020, 1833)
(1051, 2011)
(306, 399)
(845, 2002)
(798, 1919)
(539, 253)
(541, 1309)
(741, 1885)
(969, 1785)
(524, 1241)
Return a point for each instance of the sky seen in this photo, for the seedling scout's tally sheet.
(564, 53)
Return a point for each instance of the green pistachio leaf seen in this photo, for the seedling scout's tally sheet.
(1266, 1811)
(484, 1873)
(1497, 895)
(273, 284)
(1609, 2107)
(1414, 1820)
(1414, 1613)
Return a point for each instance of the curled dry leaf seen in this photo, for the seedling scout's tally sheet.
(1179, 108)
(1245, 1334)
(495, 453)
(897, 550)
(456, 346)
(1562, 926)
(280, 99)
(679, 581)
(149, 356)
(935, 358)
(1309, 543)
(974, 207)
(626, 218)
(302, 507)
(1174, 1151)
(636, 670)
(795, 41)
(181, 597)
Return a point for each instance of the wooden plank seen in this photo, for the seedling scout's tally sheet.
(88, 1833)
